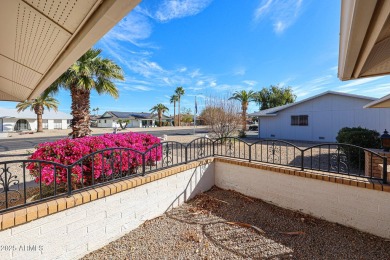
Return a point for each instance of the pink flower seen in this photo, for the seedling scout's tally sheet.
(101, 164)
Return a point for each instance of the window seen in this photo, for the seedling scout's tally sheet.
(105, 121)
(302, 120)
(21, 125)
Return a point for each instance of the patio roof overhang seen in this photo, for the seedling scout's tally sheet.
(40, 39)
(383, 102)
(364, 39)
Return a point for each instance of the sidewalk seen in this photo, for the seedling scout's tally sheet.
(95, 131)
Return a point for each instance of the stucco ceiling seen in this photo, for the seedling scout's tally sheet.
(40, 39)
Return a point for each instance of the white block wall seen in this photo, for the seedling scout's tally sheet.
(364, 209)
(72, 233)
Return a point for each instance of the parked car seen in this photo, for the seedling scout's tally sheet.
(253, 127)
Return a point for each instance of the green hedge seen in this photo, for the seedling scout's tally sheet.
(358, 136)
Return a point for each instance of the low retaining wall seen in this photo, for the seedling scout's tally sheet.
(71, 233)
(363, 208)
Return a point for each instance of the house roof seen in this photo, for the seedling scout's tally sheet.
(383, 102)
(273, 111)
(41, 39)
(364, 39)
(131, 115)
(28, 114)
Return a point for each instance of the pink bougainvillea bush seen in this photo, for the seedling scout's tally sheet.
(101, 164)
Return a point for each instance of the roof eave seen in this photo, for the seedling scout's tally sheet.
(383, 102)
(361, 25)
(109, 13)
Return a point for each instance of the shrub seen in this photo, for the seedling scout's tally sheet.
(69, 151)
(241, 134)
(358, 136)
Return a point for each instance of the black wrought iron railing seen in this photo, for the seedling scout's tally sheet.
(25, 182)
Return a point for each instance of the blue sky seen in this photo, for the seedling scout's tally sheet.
(215, 47)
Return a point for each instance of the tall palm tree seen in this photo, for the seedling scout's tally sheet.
(179, 92)
(38, 106)
(160, 109)
(89, 72)
(174, 99)
(244, 97)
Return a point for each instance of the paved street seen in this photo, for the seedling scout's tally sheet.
(30, 143)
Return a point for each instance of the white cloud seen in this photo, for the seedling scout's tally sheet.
(323, 80)
(168, 10)
(138, 88)
(263, 9)
(213, 83)
(134, 28)
(282, 13)
(195, 73)
(231, 88)
(195, 88)
(200, 83)
(250, 82)
(142, 66)
(359, 82)
(182, 69)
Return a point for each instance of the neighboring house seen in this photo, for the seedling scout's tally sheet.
(11, 120)
(319, 118)
(94, 120)
(137, 119)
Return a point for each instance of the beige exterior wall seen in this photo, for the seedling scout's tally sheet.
(364, 209)
(72, 233)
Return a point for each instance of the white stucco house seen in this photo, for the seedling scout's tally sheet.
(137, 119)
(319, 118)
(13, 121)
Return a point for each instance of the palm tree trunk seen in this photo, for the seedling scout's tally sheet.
(80, 112)
(244, 108)
(159, 117)
(174, 113)
(39, 122)
(39, 112)
(179, 123)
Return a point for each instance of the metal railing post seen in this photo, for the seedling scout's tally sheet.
(143, 164)
(69, 176)
(186, 154)
(250, 153)
(213, 148)
(302, 162)
(385, 170)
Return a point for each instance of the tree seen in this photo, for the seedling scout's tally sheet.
(222, 116)
(95, 111)
(38, 106)
(123, 123)
(174, 99)
(274, 96)
(187, 115)
(160, 109)
(179, 92)
(89, 72)
(244, 97)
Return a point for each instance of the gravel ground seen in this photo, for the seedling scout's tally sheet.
(223, 224)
